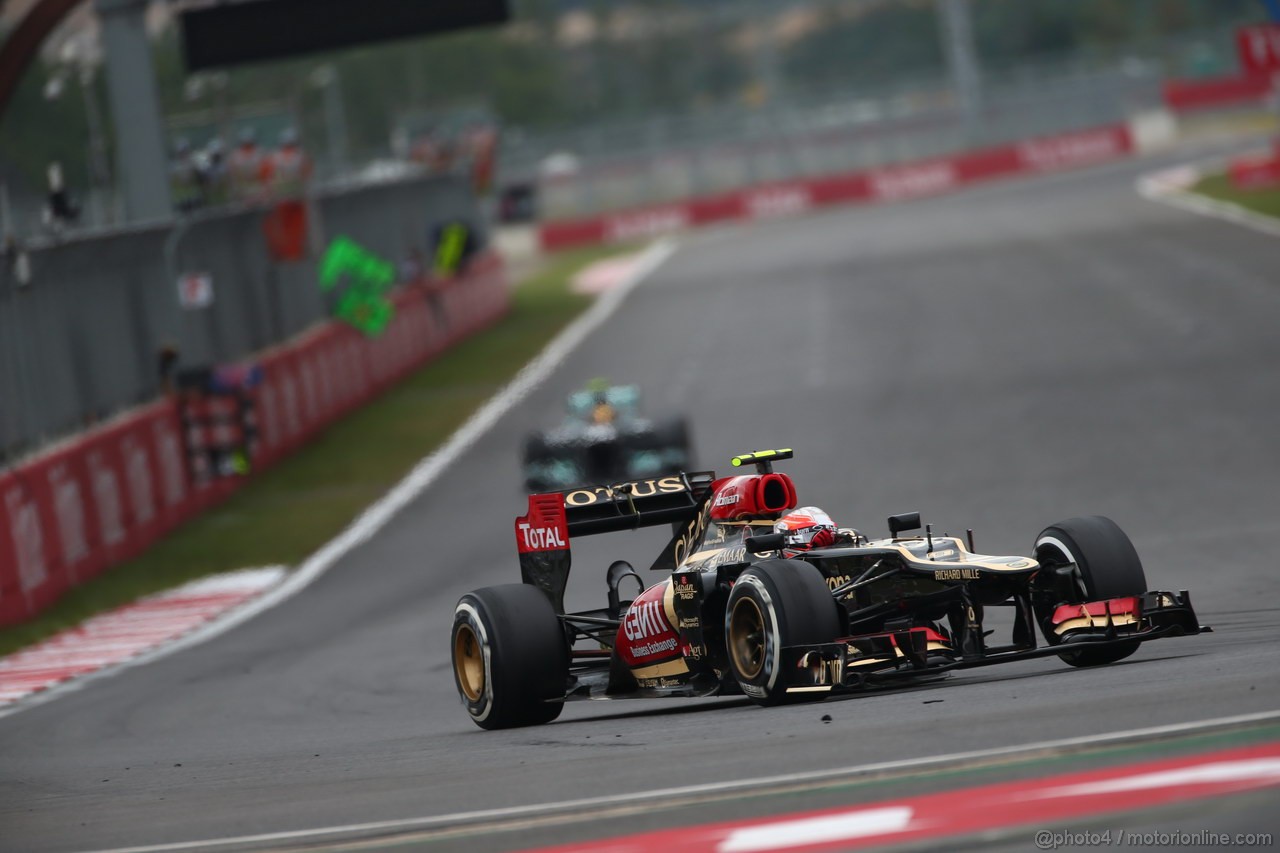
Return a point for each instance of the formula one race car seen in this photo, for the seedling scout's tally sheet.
(746, 608)
(604, 439)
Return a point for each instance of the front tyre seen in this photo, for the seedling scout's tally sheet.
(510, 659)
(1107, 566)
(774, 604)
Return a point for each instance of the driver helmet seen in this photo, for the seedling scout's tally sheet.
(807, 527)
(602, 413)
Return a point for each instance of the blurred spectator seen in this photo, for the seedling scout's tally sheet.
(211, 171)
(184, 180)
(482, 146)
(288, 169)
(246, 167)
(518, 202)
(60, 210)
(166, 365)
(431, 151)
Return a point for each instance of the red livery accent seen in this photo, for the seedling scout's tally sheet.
(752, 496)
(646, 635)
(1115, 607)
(931, 635)
(544, 528)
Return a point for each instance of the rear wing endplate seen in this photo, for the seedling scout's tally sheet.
(544, 531)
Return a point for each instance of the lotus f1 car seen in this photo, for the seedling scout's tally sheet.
(737, 612)
(604, 439)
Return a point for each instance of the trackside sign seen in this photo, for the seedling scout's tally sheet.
(1259, 47)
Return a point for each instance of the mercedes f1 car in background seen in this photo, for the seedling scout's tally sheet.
(737, 611)
(604, 439)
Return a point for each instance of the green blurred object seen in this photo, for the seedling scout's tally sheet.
(363, 303)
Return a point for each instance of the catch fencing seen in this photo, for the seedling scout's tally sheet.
(83, 321)
(665, 159)
(77, 509)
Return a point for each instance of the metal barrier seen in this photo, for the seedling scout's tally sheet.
(661, 160)
(81, 335)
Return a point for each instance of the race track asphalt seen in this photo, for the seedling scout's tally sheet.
(998, 359)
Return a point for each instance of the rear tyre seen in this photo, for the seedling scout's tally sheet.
(537, 453)
(675, 440)
(1107, 566)
(774, 604)
(510, 659)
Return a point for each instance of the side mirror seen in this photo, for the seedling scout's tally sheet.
(903, 521)
(766, 542)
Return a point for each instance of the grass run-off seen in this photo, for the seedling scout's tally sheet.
(288, 511)
(1264, 201)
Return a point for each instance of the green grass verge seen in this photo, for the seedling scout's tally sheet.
(290, 510)
(1266, 202)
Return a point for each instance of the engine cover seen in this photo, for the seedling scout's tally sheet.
(647, 640)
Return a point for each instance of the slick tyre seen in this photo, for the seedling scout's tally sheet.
(674, 439)
(510, 659)
(1107, 566)
(536, 452)
(772, 605)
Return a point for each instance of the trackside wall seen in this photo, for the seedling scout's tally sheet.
(891, 183)
(108, 494)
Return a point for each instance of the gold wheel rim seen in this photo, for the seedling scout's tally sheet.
(468, 662)
(746, 637)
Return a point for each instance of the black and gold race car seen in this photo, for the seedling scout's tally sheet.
(740, 609)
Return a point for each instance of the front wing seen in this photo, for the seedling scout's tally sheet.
(870, 659)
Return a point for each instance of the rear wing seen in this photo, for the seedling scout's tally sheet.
(543, 533)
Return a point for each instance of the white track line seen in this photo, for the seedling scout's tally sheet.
(684, 794)
(1170, 186)
(376, 516)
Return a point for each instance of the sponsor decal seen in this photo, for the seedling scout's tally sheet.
(68, 507)
(694, 651)
(195, 290)
(169, 453)
(645, 620)
(692, 534)
(106, 493)
(938, 555)
(28, 541)
(292, 418)
(1063, 151)
(777, 201)
(646, 223)
(913, 181)
(645, 650)
(956, 575)
(689, 622)
(639, 489)
(138, 471)
(727, 500)
(540, 538)
(684, 590)
(837, 581)
(835, 670)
